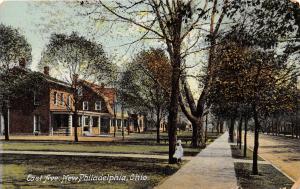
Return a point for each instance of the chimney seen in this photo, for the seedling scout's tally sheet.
(75, 79)
(22, 62)
(46, 70)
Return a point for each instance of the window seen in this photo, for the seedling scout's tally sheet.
(86, 120)
(79, 91)
(98, 105)
(85, 105)
(69, 101)
(55, 98)
(35, 99)
(62, 99)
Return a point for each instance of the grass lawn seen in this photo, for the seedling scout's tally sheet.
(136, 143)
(95, 147)
(269, 177)
(239, 154)
(16, 168)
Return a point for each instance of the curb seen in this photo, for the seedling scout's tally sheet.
(278, 169)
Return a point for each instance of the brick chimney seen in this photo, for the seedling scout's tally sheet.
(75, 79)
(102, 85)
(22, 62)
(46, 70)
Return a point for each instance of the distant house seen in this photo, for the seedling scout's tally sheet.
(51, 112)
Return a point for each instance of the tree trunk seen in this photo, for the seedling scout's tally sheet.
(75, 121)
(198, 138)
(174, 103)
(206, 122)
(221, 126)
(245, 137)
(122, 121)
(195, 135)
(5, 117)
(240, 132)
(256, 142)
(128, 128)
(158, 126)
(231, 130)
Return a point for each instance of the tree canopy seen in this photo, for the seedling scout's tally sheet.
(13, 47)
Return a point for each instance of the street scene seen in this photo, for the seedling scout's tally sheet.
(197, 94)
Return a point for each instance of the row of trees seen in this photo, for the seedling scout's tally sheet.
(189, 27)
(261, 24)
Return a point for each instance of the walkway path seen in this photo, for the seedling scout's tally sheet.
(282, 152)
(212, 168)
(88, 154)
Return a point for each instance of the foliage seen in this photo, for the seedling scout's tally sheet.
(145, 83)
(13, 47)
(72, 54)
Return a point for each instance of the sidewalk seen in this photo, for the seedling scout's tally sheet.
(212, 168)
(89, 154)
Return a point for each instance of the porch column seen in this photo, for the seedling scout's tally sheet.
(50, 124)
(116, 123)
(82, 123)
(91, 124)
(110, 123)
(70, 123)
(99, 124)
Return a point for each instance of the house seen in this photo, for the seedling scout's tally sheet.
(51, 112)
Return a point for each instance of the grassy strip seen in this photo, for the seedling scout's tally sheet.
(239, 154)
(269, 177)
(94, 148)
(17, 167)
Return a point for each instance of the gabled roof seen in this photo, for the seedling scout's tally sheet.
(108, 94)
(47, 77)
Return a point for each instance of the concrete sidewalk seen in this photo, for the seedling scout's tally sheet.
(88, 154)
(212, 168)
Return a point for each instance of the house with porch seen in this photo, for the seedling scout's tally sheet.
(51, 112)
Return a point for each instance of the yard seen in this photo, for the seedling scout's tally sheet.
(20, 170)
(132, 172)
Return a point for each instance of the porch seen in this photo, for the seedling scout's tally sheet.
(89, 124)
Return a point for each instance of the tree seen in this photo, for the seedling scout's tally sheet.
(254, 80)
(265, 26)
(13, 48)
(145, 85)
(170, 22)
(76, 58)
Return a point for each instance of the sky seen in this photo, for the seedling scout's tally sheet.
(36, 20)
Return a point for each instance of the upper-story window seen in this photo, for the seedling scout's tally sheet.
(62, 99)
(55, 98)
(98, 105)
(85, 105)
(36, 100)
(79, 91)
(69, 101)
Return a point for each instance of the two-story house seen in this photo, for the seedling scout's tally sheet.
(51, 111)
